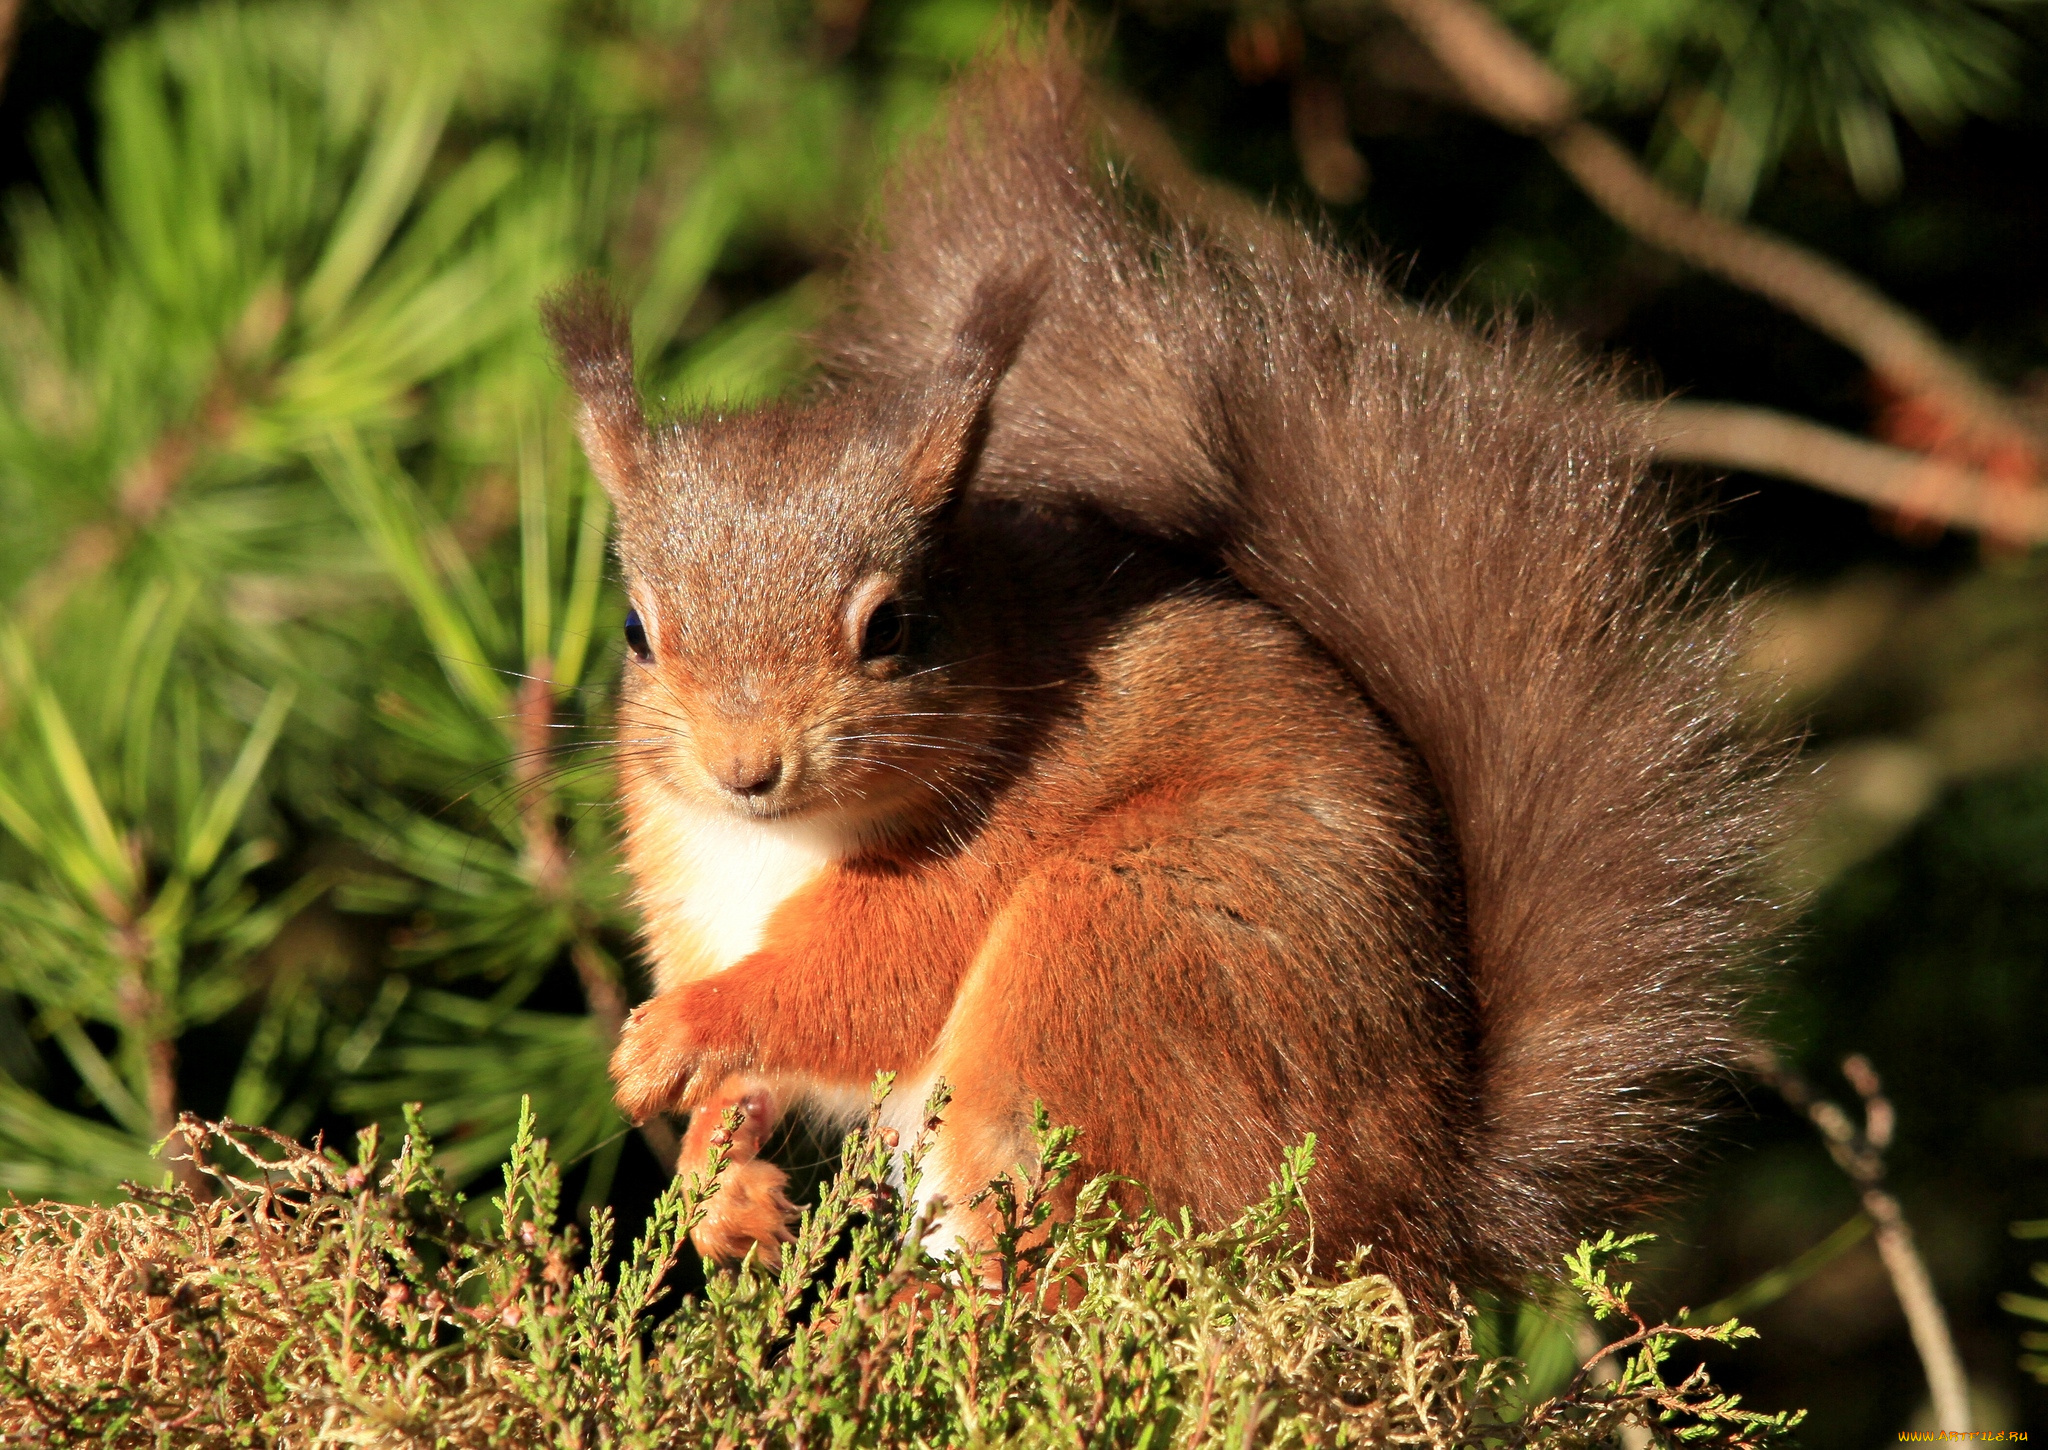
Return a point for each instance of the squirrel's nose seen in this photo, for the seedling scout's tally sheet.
(749, 772)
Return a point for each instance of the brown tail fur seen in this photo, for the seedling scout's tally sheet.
(1466, 524)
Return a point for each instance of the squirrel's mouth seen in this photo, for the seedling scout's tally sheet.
(872, 806)
(796, 795)
(751, 809)
(782, 800)
(802, 780)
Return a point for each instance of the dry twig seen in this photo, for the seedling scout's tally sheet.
(1859, 1152)
(1761, 440)
(1143, 143)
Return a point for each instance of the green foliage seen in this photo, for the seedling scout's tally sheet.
(1693, 1403)
(314, 1297)
(2034, 1342)
(1735, 84)
(302, 794)
(1732, 87)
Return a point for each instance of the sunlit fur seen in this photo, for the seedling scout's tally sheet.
(1304, 730)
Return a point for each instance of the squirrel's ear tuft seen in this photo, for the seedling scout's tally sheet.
(954, 412)
(595, 345)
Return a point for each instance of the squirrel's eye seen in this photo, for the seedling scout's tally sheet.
(636, 637)
(887, 632)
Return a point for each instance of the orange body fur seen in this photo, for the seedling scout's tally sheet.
(1207, 830)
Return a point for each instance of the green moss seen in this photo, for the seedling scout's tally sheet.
(308, 1298)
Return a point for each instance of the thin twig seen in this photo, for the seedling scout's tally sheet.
(1762, 440)
(142, 1019)
(1330, 164)
(1507, 81)
(1859, 1152)
(1603, 1368)
(546, 859)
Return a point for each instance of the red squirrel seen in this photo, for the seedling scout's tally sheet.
(1172, 680)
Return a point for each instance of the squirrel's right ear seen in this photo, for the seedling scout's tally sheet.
(955, 410)
(595, 345)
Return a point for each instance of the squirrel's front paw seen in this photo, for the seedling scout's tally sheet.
(656, 1055)
(749, 1211)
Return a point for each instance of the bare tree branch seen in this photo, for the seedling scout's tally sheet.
(1507, 81)
(1730, 435)
(10, 34)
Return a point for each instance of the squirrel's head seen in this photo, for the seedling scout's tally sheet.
(786, 655)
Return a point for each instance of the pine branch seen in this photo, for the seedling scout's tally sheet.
(145, 489)
(1723, 435)
(1507, 81)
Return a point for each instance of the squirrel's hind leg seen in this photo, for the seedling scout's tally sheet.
(1101, 998)
(1196, 1001)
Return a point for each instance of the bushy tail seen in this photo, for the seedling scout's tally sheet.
(1466, 523)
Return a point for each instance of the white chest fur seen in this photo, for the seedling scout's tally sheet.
(723, 876)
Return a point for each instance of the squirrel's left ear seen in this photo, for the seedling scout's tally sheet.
(595, 345)
(953, 413)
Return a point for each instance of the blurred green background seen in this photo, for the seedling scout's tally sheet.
(310, 627)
